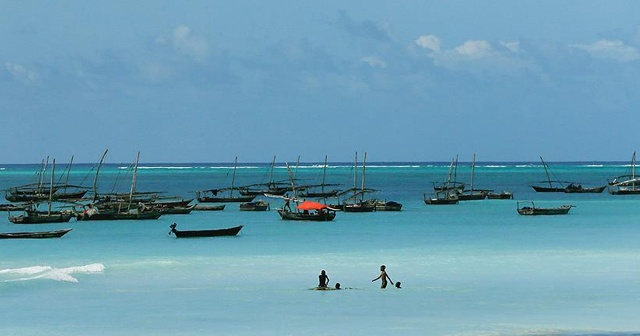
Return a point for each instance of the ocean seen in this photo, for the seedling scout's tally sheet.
(475, 268)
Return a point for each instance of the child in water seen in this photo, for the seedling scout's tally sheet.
(323, 279)
(383, 276)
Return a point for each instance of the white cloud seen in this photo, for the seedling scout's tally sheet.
(21, 73)
(514, 47)
(431, 42)
(374, 62)
(186, 43)
(610, 50)
(474, 49)
(479, 57)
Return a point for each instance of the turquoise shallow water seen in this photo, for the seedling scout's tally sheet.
(477, 268)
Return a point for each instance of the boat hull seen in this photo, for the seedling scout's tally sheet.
(199, 207)
(254, 206)
(532, 210)
(359, 207)
(581, 190)
(34, 235)
(326, 216)
(233, 231)
(548, 189)
(41, 218)
(146, 215)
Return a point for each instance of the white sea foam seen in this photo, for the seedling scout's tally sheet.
(26, 270)
(48, 272)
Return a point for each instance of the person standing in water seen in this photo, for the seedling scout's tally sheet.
(323, 279)
(383, 276)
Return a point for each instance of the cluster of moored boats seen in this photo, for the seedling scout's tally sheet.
(452, 191)
(29, 199)
(135, 205)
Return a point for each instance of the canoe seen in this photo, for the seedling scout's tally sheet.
(34, 235)
(232, 231)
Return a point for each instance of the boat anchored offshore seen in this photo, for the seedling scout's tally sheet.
(232, 231)
(34, 235)
(530, 209)
(309, 211)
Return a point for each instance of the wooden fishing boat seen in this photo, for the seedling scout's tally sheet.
(550, 185)
(42, 192)
(120, 210)
(320, 216)
(111, 214)
(450, 183)
(356, 202)
(33, 216)
(471, 194)
(232, 231)
(309, 211)
(500, 195)
(211, 196)
(255, 206)
(445, 197)
(34, 235)
(319, 194)
(530, 209)
(311, 191)
(173, 210)
(381, 205)
(362, 206)
(39, 217)
(579, 189)
(200, 207)
(626, 184)
(13, 207)
(38, 197)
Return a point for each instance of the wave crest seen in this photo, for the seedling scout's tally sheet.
(51, 273)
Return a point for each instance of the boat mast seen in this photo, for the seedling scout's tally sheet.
(66, 182)
(473, 168)
(53, 170)
(43, 169)
(66, 170)
(292, 179)
(455, 171)
(633, 170)
(271, 184)
(295, 172)
(364, 164)
(133, 182)
(546, 171)
(448, 180)
(324, 174)
(355, 175)
(233, 179)
(95, 179)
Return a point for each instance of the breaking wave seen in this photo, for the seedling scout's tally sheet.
(48, 272)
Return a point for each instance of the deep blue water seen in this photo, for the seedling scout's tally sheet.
(476, 268)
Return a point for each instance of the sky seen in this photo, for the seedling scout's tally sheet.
(206, 81)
